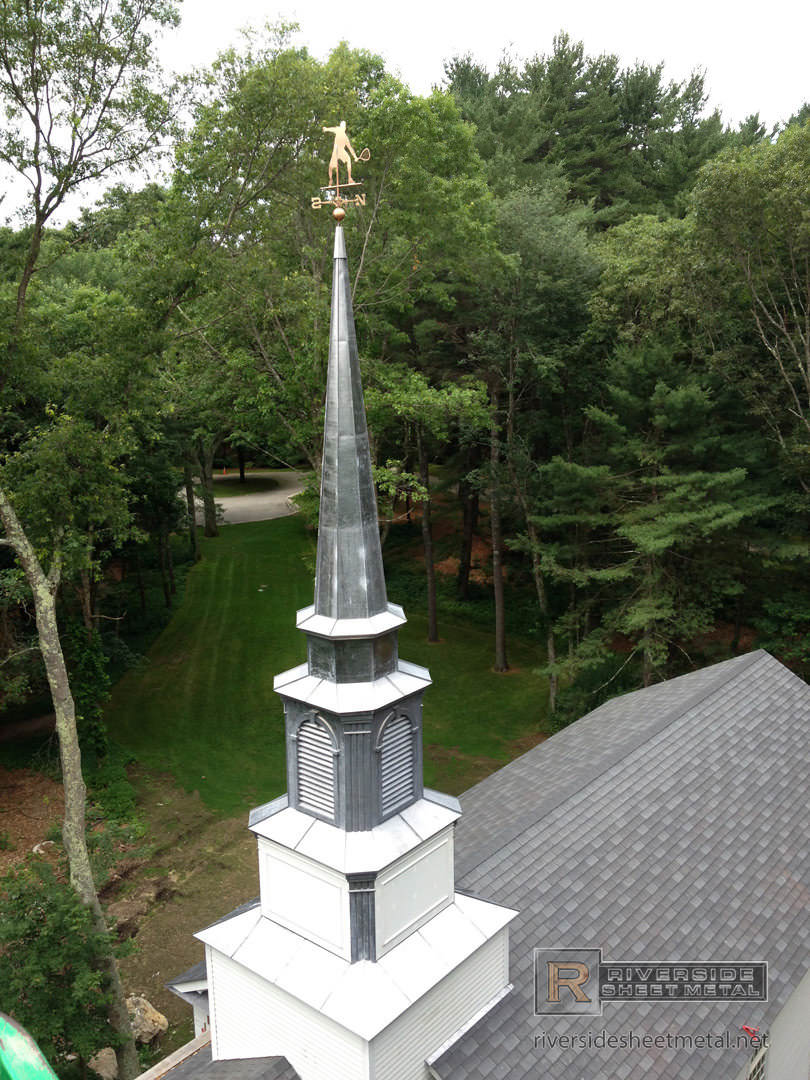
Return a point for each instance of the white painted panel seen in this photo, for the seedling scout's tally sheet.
(400, 1051)
(308, 898)
(201, 1018)
(251, 1018)
(413, 889)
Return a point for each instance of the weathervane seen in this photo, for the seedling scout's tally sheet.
(341, 150)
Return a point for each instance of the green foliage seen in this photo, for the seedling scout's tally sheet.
(90, 684)
(751, 215)
(626, 141)
(77, 89)
(51, 960)
(784, 628)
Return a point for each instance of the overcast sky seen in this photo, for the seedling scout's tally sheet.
(755, 55)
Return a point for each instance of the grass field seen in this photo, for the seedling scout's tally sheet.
(202, 707)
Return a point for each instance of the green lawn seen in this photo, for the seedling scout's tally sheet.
(203, 706)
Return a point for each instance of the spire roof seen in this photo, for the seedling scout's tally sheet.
(349, 580)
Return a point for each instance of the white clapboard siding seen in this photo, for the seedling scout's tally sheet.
(316, 769)
(252, 1018)
(399, 1052)
(396, 764)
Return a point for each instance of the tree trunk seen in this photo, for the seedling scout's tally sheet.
(139, 579)
(469, 511)
(191, 510)
(86, 599)
(501, 663)
(25, 280)
(539, 580)
(542, 601)
(427, 539)
(170, 563)
(206, 458)
(164, 576)
(240, 453)
(44, 589)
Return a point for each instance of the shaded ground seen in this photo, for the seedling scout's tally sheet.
(212, 867)
(30, 805)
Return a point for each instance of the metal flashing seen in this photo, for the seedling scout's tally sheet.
(259, 813)
(348, 699)
(383, 622)
(368, 851)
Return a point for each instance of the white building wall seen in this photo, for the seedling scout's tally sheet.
(788, 1056)
(400, 1051)
(413, 889)
(252, 1018)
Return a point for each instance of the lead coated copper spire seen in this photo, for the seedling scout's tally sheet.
(349, 580)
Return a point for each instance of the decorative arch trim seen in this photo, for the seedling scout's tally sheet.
(316, 718)
(389, 719)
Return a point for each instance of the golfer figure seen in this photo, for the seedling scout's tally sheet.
(339, 153)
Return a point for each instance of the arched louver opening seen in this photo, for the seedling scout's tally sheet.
(316, 769)
(397, 753)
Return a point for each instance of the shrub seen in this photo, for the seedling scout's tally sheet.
(51, 965)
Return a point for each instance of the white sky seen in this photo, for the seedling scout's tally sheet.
(755, 55)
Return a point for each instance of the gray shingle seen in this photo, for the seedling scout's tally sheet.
(667, 824)
(200, 1067)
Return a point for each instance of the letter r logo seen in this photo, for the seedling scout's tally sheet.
(566, 982)
(571, 974)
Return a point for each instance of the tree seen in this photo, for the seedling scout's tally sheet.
(76, 82)
(625, 139)
(427, 414)
(658, 502)
(751, 213)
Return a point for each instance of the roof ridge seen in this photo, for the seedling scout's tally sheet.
(735, 667)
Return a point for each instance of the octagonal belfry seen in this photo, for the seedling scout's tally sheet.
(360, 960)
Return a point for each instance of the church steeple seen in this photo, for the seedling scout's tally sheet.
(360, 961)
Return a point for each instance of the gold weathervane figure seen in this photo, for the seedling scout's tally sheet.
(341, 150)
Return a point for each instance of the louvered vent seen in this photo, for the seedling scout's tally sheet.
(396, 764)
(316, 769)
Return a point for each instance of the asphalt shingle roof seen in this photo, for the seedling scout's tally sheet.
(669, 824)
(199, 1066)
